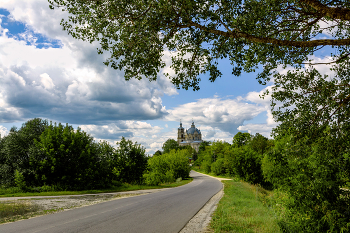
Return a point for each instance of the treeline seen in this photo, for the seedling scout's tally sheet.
(41, 156)
(242, 159)
(308, 176)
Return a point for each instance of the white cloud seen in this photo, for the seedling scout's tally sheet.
(71, 83)
(3, 131)
(46, 81)
(225, 114)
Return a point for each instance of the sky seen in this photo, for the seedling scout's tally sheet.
(46, 73)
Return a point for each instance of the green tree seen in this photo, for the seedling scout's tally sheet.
(249, 33)
(157, 153)
(260, 144)
(130, 161)
(169, 145)
(203, 146)
(15, 151)
(241, 139)
(311, 172)
(65, 157)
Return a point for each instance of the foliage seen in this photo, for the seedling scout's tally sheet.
(247, 165)
(157, 153)
(241, 139)
(311, 172)
(169, 145)
(260, 144)
(129, 162)
(218, 167)
(66, 158)
(19, 180)
(168, 167)
(203, 146)
(264, 33)
(15, 150)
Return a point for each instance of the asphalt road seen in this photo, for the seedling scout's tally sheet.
(165, 211)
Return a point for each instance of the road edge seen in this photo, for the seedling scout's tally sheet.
(201, 220)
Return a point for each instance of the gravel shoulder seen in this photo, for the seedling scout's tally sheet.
(52, 204)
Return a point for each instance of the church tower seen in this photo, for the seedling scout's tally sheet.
(180, 134)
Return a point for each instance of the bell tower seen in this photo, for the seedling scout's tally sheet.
(180, 134)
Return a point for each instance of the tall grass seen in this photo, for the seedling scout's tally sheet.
(12, 209)
(242, 210)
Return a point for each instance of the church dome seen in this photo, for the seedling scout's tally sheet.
(193, 129)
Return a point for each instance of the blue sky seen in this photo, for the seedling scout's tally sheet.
(46, 73)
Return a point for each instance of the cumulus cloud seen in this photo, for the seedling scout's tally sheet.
(137, 131)
(69, 83)
(224, 114)
(3, 131)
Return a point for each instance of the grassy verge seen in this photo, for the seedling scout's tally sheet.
(123, 187)
(243, 208)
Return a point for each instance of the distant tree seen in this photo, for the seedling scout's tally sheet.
(241, 139)
(259, 143)
(203, 145)
(170, 144)
(157, 153)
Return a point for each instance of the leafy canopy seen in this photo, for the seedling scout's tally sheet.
(197, 34)
(169, 145)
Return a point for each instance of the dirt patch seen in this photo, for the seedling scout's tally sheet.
(53, 205)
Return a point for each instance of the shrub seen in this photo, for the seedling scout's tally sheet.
(218, 167)
(167, 167)
(206, 166)
(19, 181)
(247, 165)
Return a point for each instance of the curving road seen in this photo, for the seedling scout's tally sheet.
(165, 211)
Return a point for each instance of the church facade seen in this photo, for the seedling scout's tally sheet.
(190, 137)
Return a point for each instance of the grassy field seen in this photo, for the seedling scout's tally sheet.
(11, 192)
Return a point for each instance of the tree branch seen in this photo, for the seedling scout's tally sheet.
(299, 44)
(332, 12)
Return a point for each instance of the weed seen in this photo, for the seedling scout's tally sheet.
(16, 208)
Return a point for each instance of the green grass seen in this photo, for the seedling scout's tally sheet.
(123, 187)
(241, 210)
(196, 168)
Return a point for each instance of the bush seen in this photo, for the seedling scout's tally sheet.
(65, 157)
(247, 165)
(218, 167)
(206, 166)
(168, 167)
(19, 181)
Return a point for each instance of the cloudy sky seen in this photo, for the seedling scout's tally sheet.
(46, 73)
